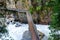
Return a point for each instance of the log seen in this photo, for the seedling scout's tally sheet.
(32, 27)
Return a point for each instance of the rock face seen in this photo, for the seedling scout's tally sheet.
(22, 17)
(24, 5)
(26, 36)
(10, 4)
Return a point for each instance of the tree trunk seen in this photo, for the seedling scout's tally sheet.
(32, 27)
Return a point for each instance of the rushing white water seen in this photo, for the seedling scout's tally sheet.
(17, 32)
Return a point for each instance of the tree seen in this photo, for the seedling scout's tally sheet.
(55, 17)
(32, 27)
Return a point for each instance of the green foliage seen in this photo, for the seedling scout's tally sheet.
(54, 37)
(3, 30)
(32, 9)
(50, 3)
(55, 20)
(38, 0)
(35, 8)
(1, 15)
(56, 9)
(38, 8)
(55, 17)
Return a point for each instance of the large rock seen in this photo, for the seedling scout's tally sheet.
(27, 35)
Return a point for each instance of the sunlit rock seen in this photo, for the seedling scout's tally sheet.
(10, 4)
(27, 35)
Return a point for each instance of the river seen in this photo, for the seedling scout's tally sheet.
(16, 32)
